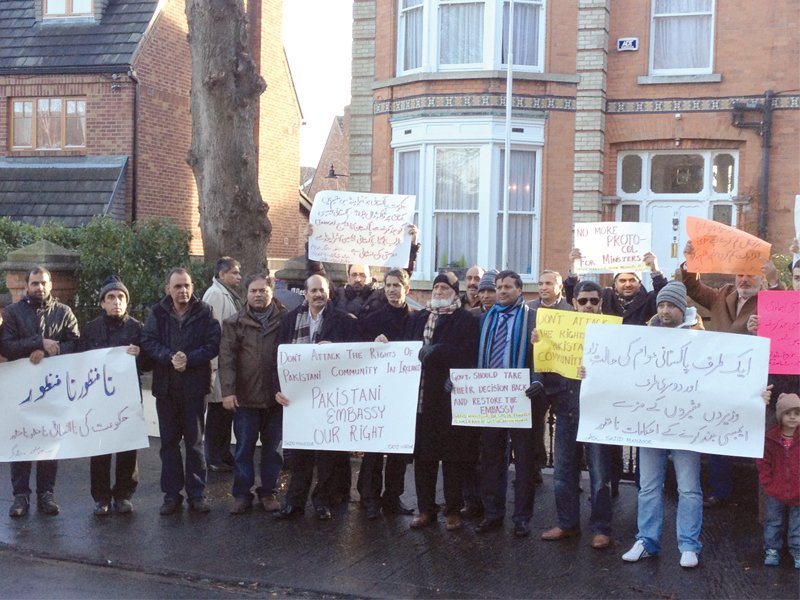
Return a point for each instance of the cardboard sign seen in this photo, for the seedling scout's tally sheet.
(491, 397)
(722, 249)
(356, 227)
(560, 346)
(355, 397)
(672, 388)
(612, 246)
(71, 406)
(779, 320)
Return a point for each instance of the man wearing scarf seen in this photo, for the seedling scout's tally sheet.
(505, 331)
(449, 335)
(225, 301)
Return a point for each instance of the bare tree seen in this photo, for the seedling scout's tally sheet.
(225, 96)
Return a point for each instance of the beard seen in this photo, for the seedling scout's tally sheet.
(440, 302)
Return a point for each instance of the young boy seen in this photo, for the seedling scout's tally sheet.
(779, 473)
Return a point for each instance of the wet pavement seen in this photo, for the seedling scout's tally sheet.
(219, 555)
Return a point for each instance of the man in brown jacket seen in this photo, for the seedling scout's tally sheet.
(247, 373)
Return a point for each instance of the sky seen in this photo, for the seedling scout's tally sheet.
(317, 36)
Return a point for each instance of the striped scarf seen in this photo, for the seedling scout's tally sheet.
(427, 336)
(518, 349)
(302, 327)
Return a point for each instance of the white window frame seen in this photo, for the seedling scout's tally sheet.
(492, 38)
(426, 135)
(688, 70)
(68, 10)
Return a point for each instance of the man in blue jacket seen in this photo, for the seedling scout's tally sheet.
(181, 336)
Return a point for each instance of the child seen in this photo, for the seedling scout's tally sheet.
(779, 473)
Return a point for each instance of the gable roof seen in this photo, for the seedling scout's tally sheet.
(71, 45)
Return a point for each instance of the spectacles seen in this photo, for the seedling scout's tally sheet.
(583, 301)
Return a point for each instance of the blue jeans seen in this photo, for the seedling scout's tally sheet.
(653, 470)
(45, 476)
(179, 418)
(774, 520)
(567, 472)
(249, 424)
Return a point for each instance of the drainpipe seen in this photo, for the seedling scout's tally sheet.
(763, 184)
(134, 167)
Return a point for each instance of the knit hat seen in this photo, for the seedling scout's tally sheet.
(449, 278)
(786, 402)
(487, 281)
(113, 283)
(627, 273)
(674, 293)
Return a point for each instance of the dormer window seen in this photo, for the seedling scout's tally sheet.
(68, 8)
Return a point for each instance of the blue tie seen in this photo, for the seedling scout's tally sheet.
(499, 342)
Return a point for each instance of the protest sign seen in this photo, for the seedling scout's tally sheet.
(779, 320)
(354, 397)
(71, 406)
(719, 248)
(679, 389)
(560, 346)
(795, 255)
(356, 227)
(490, 397)
(612, 246)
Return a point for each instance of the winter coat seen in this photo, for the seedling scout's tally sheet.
(359, 304)
(639, 311)
(27, 324)
(105, 332)
(198, 336)
(387, 320)
(779, 470)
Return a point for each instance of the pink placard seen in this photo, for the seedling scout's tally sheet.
(779, 320)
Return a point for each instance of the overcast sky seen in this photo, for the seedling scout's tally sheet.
(317, 35)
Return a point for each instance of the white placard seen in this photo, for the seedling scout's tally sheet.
(71, 406)
(491, 397)
(356, 227)
(355, 396)
(612, 246)
(674, 388)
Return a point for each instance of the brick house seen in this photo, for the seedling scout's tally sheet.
(632, 110)
(95, 118)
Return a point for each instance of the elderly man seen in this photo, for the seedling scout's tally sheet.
(35, 327)
(248, 371)
(314, 321)
(470, 298)
(449, 335)
(224, 299)
(181, 336)
(504, 335)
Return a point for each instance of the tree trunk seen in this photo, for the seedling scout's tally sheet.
(225, 91)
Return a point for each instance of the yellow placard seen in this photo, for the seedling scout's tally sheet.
(560, 346)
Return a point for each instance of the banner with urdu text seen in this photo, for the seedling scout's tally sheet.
(71, 406)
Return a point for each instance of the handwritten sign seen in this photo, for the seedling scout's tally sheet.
(779, 320)
(560, 346)
(719, 248)
(355, 397)
(355, 227)
(71, 406)
(490, 397)
(796, 257)
(612, 246)
(675, 388)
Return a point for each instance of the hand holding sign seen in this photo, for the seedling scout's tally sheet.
(717, 248)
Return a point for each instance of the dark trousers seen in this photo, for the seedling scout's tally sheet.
(426, 473)
(302, 467)
(720, 476)
(45, 476)
(495, 453)
(372, 479)
(125, 481)
(181, 418)
(539, 408)
(218, 434)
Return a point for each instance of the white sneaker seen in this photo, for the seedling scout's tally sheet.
(688, 559)
(636, 552)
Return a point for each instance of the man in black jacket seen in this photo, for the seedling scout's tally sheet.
(181, 336)
(35, 327)
(115, 327)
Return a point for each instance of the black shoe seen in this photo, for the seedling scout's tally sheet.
(46, 504)
(522, 530)
(102, 509)
(123, 506)
(289, 512)
(170, 506)
(220, 467)
(324, 513)
(472, 510)
(537, 477)
(373, 511)
(199, 505)
(488, 525)
(228, 459)
(20, 506)
(396, 508)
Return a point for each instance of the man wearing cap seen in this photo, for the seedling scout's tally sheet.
(487, 293)
(36, 327)
(115, 327)
(672, 311)
(449, 336)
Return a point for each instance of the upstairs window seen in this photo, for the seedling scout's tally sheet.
(68, 8)
(48, 124)
(682, 37)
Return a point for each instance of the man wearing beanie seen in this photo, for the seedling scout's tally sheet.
(115, 327)
(487, 293)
